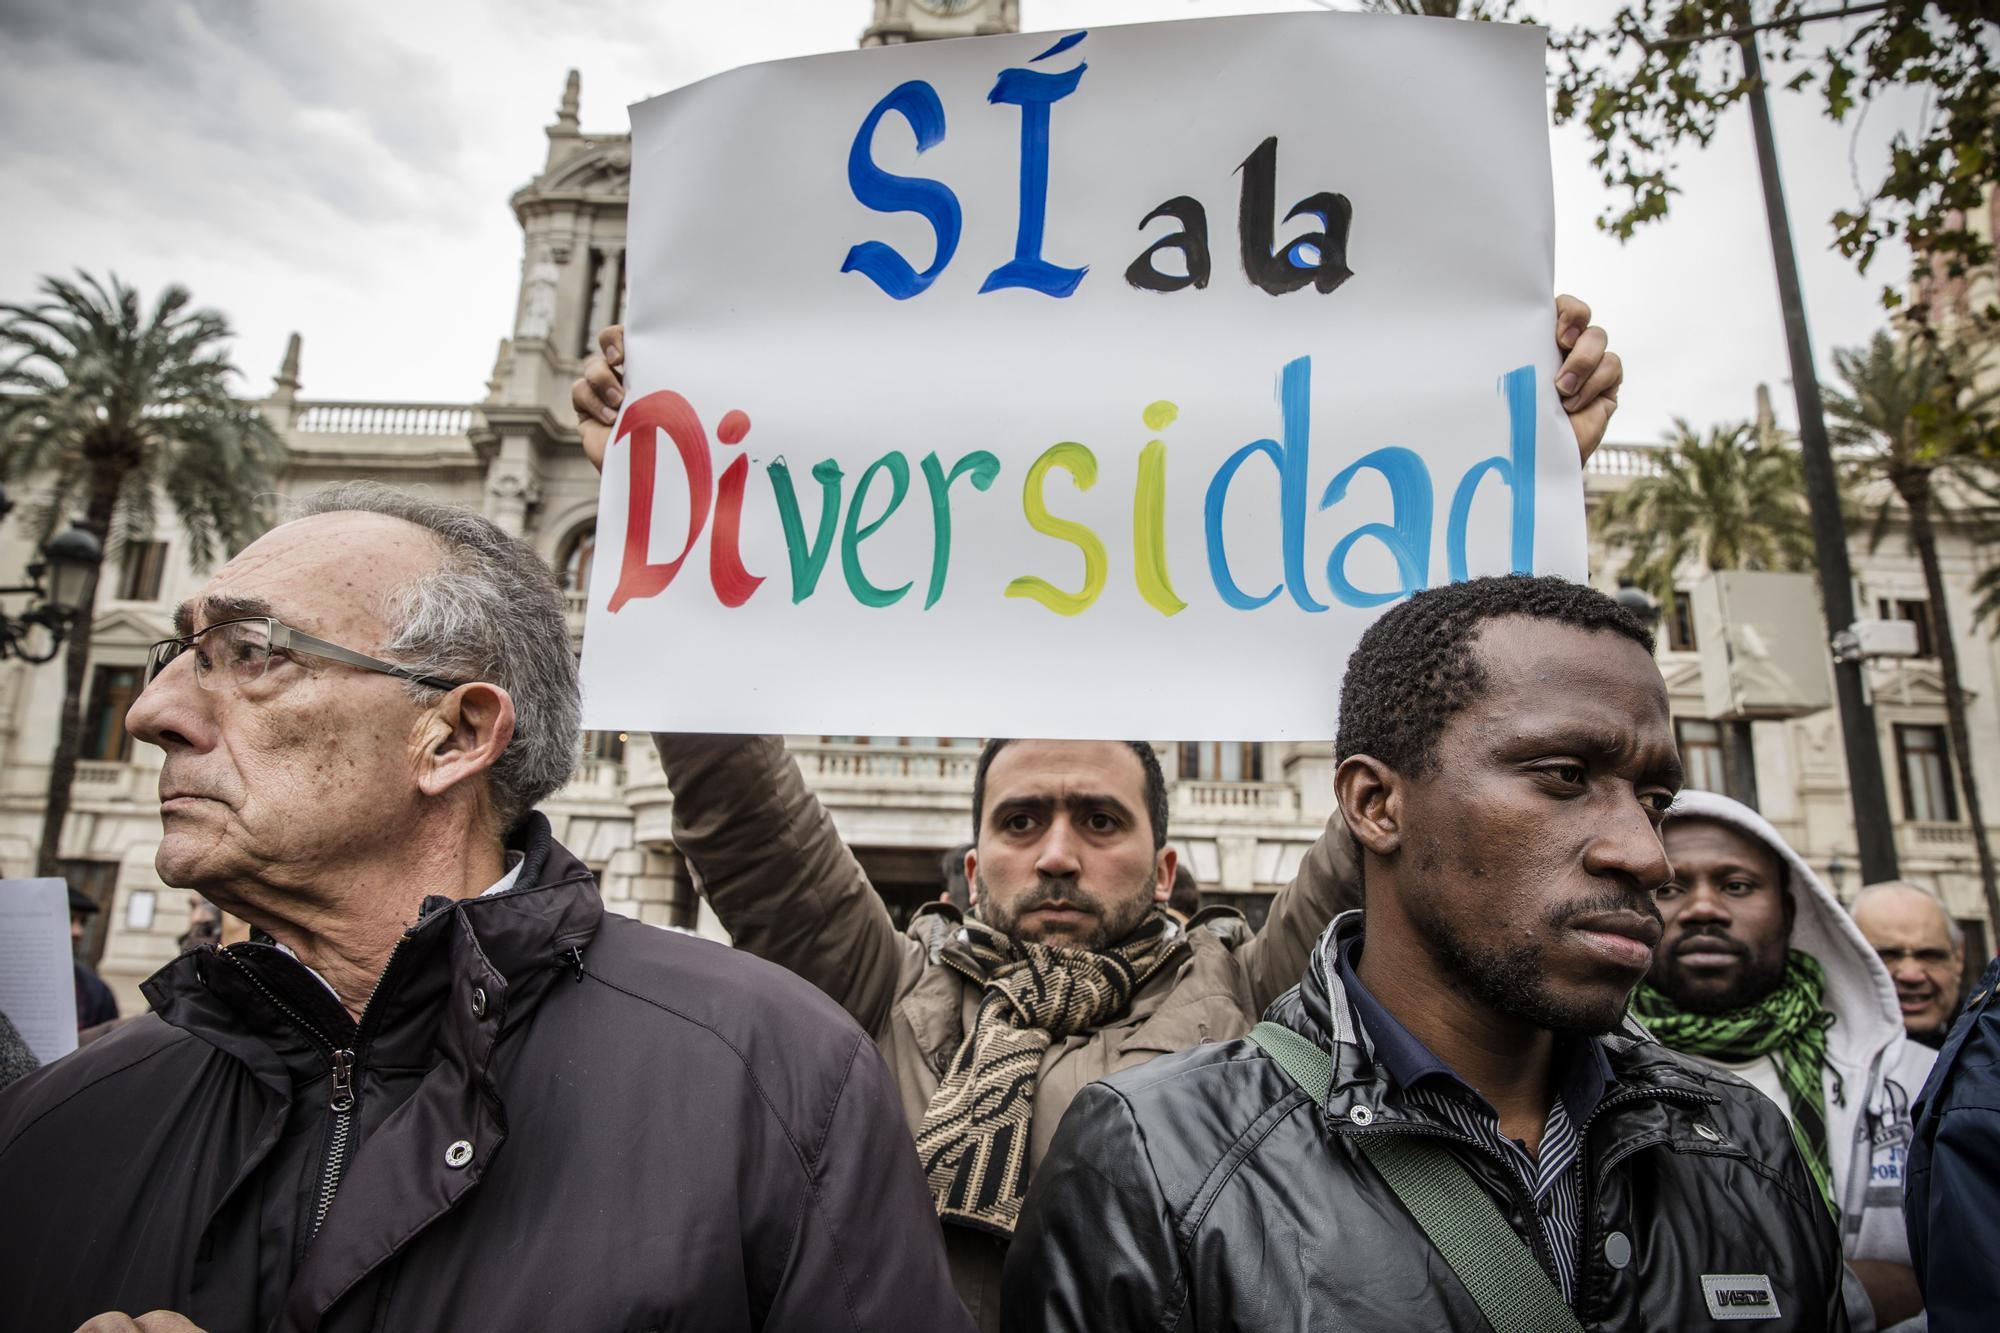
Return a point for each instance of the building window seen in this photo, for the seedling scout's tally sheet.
(1923, 757)
(1222, 761)
(1917, 612)
(139, 577)
(97, 881)
(112, 691)
(1679, 624)
(604, 746)
(573, 565)
(1702, 760)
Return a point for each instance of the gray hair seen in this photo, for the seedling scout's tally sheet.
(1952, 930)
(489, 612)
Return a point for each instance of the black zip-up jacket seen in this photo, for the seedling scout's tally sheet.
(548, 1117)
(1206, 1191)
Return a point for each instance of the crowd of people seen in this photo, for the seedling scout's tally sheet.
(1535, 1039)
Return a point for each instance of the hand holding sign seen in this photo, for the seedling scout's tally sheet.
(1592, 373)
(990, 387)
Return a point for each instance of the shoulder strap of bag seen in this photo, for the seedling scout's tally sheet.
(1299, 1056)
(1492, 1262)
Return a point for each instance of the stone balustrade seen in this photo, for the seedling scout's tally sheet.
(1925, 839)
(1198, 800)
(834, 765)
(1624, 460)
(109, 780)
(328, 418)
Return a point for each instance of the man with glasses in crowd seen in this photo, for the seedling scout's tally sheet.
(440, 1087)
(1916, 938)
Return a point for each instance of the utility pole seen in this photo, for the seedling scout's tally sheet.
(1866, 788)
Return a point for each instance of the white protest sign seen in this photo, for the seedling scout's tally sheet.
(1088, 384)
(37, 974)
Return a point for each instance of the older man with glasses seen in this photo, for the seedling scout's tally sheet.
(1914, 934)
(439, 1087)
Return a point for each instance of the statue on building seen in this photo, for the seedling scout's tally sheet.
(538, 298)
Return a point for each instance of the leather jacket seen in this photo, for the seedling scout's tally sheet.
(1207, 1191)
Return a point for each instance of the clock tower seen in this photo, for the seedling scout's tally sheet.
(923, 20)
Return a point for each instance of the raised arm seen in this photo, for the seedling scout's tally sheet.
(774, 869)
(1327, 884)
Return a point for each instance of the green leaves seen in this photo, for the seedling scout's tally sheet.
(1730, 500)
(114, 408)
(1658, 74)
(1913, 426)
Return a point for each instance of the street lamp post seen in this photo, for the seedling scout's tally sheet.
(1867, 789)
(69, 561)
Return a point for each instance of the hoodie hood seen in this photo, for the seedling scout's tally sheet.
(1859, 992)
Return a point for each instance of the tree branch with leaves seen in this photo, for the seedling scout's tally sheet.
(1660, 74)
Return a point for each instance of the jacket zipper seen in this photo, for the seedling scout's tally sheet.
(1588, 1205)
(344, 1063)
(342, 1106)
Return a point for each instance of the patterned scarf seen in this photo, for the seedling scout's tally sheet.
(973, 1141)
(1788, 1025)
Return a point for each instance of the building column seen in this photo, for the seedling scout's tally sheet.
(604, 298)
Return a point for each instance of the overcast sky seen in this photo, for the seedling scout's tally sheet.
(343, 170)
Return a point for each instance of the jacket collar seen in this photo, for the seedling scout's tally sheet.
(1322, 1007)
(259, 1004)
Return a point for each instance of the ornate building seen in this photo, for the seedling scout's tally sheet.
(1242, 814)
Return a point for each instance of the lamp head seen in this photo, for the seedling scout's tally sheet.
(71, 557)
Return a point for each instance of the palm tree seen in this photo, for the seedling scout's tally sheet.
(1732, 500)
(1911, 418)
(123, 409)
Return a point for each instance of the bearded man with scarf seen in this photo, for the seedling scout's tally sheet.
(1763, 975)
(1066, 969)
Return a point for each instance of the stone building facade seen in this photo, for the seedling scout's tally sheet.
(1242, 814)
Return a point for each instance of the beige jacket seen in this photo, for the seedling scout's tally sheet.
(784, 885)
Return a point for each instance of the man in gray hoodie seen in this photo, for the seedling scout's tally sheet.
(1763, 975)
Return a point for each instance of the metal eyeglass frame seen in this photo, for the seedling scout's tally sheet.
(283, 636)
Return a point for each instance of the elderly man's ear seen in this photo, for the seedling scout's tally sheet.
(462, 736)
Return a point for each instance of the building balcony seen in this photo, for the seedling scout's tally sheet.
(102, 780)
(836, 766)
(596, 780)
(403, 419)
(1924, 840)
(1206, 802)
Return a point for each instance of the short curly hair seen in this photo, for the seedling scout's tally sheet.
(1416, 667)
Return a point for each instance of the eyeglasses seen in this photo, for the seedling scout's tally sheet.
(1927, 957)
(235, 653)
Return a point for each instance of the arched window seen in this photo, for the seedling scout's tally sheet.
(573, 565)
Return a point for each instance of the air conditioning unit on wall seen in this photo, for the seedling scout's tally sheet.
(1763, 645)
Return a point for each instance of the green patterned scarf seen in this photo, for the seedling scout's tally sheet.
(973, 1141)
(1788, 1025)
